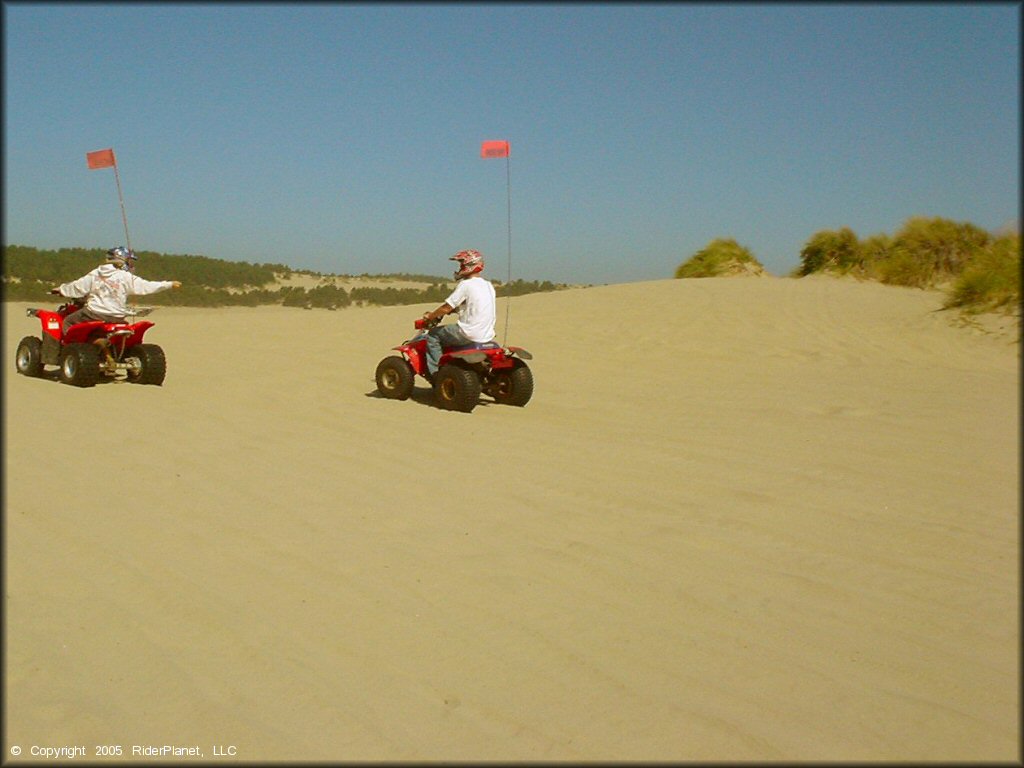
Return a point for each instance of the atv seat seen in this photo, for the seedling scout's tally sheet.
(475, 345)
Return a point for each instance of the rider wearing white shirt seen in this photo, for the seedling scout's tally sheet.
(474, 301)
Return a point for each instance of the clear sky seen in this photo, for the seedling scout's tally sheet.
(346, 138)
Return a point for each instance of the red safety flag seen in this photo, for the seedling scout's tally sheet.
(494, 149)
(101, 158)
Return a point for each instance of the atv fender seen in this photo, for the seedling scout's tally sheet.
(51, 322)
(80, 332)
(138, 331)
(416, 358)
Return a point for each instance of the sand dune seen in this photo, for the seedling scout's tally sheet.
(746, 519)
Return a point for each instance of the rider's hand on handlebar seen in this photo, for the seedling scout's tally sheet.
(55, 291)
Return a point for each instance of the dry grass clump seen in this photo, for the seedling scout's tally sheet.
(980, 271)
(723, 257)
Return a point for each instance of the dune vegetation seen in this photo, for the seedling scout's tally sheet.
(723, 257)
(978, 271)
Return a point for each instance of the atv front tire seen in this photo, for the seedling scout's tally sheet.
(80, 365)
(456, 388)
(29, 357)
(395, 378)
(514, 386)
(151, 364)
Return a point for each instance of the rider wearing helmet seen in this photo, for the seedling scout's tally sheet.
(473, 300)
(108, 288)
(122, 258)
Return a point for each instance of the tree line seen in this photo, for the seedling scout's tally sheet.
(54, 267)
(29, 273)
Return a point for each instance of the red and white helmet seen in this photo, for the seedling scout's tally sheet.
(470, 262)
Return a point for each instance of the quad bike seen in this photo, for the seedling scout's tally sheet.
(463, 373)
(91, 349)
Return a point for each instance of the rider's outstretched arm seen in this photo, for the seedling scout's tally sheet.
(77, 289)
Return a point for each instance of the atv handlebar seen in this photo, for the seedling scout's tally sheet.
(422, 324)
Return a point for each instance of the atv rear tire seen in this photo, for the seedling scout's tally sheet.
(514, 386)
(456, 388)
(29, 357)
(152, 364)
(395, 378)
(80, 365)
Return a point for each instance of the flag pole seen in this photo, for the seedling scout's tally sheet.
(105, 158)
(508, 197)
(504, 149)
(124, 216)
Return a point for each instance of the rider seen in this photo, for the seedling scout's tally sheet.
(108, 288)
(473, 300)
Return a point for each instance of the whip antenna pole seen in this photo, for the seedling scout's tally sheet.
(502, 149)
(105, 158)
(508, 197)
(124, 216)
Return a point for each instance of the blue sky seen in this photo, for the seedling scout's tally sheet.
(346, 138)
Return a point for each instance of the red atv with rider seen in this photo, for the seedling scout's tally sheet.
(92, 349)
(463, 373)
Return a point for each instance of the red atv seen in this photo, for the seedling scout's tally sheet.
(91, 349)
(463, 373)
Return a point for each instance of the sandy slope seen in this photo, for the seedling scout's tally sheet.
(741, 520)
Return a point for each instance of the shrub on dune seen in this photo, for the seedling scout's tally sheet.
(830, 250)
(980, 272)
(991, 278)
(723, 257)
(929, 251)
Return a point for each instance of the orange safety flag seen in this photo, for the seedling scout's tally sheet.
(101, 158)
(494, 149)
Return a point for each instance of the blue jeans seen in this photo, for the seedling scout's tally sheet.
(443, 336)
